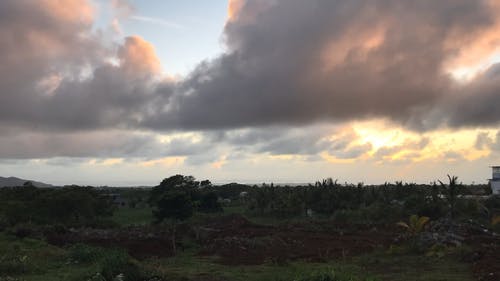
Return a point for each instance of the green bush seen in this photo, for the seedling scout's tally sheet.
(117, 263)
(112, 264)
(13, 264)
(82, 253)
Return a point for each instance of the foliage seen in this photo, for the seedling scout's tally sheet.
(209, 203)
(174, 183)
(186, 195)
(13, 263)
(116, 265)
(415, 224)
(451, 193)
(72, 205)
(385, 203)
(172, 200)
(83, 253)
(175, 205)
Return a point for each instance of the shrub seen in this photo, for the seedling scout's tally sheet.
(415, 225)
(82, 253)
(112, 265)
(116, 263)
(13, 264)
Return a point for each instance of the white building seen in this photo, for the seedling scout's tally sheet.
(495, 180)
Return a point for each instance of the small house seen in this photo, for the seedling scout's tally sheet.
(495, 180)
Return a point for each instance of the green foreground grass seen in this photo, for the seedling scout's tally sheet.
(374, 266)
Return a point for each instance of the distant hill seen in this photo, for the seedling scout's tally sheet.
(13, 181)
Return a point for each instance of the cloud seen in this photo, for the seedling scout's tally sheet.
(291, 62)
(138, 57)
(288, 66)
(388, 152)
(59, 74)
(475, 104)
(485, 142)
(287, 63)
(309, 141)
(98, 144)
(83, 144)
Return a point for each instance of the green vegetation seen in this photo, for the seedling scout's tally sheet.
(415, 224)
(185, 229)
(72, 206)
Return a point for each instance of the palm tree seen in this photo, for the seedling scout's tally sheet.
(451, 193)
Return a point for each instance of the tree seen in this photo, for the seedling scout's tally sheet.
(209, 203)
(205, 184)
(173, 206)
(451, 193)
(173, 200)
(73, 205)
(176, 182)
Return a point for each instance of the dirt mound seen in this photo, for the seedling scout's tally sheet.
(139, 242)
(487, 248)
(237, 241)
(233, 220)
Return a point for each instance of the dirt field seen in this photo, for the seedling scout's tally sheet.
(236, 241)
(139, 242)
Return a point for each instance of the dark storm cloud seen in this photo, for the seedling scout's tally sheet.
(476, 104)
(298, 62)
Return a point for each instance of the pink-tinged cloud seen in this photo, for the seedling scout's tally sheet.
(138, 57)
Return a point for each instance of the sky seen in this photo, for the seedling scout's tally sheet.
(126, 93)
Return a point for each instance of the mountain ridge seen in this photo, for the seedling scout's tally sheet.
(14, 181)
